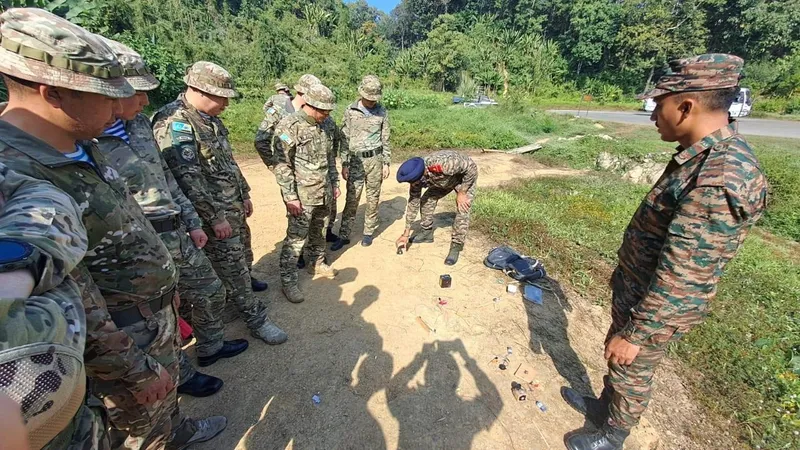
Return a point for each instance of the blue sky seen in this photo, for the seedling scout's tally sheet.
(384, 5)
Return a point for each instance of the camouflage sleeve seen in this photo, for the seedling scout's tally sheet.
(702, 230)
(110, 353)
(333, 174)
(189, 216)
(469, 172)
(178, 146)
(344, 144)
(386, 130)
(263, 142)
(36, 212)
(243, 184)
(414, 196)
(284, 145)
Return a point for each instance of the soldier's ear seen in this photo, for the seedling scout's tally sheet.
(52, 95)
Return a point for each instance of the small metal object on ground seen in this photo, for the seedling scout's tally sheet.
(445, 281)
(511, 288)
(519, 391)
(541, 406)
(399, 250)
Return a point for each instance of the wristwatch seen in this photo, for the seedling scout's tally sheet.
(16, 255)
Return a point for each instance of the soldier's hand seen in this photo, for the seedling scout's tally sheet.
(385, 172)
(15, 436)
(248, 208)
(345, 173)
(199, 237)
(621, 352)
(223, 230)
(402, 242)
(155, 390)
(336, 193)
(463, 202)
(294, 208)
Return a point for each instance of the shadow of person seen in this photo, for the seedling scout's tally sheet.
(548, 327)
(438, 412)
(333, 353)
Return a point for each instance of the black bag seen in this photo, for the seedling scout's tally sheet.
(519, 267)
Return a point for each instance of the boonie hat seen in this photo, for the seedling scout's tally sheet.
(705, 72)
(305, 82)
(320, 97)
(281, 87)
(211, 79)
(370, 88)
(39, 46)
(133, 67)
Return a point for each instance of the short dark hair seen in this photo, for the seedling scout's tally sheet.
(17, 85)
(716, 100)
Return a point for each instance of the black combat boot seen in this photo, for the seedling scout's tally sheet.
(607, 438)
(595, 409)
(258, 285)
(229, 350)
(201, 385)
(330, 237)
(422, 237)
(340, 242)
(452, 257)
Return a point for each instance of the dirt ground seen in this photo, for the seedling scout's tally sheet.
(361, 342)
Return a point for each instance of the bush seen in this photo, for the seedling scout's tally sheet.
(402, 99)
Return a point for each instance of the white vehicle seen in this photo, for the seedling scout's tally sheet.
(739, 108)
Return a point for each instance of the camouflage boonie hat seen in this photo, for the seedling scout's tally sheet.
(41, 47)
(211, 79)
(133, 67)
(370, 88)
(305, 82)
(320, 97)
(699, 73)
(281, 87)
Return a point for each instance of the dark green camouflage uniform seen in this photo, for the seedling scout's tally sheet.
(153, 186)
(42, 338)
(679, 241)
(276, 108)
(445, 171)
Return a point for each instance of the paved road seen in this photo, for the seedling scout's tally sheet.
(759, 127)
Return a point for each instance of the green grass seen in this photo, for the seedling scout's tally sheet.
(744, 350)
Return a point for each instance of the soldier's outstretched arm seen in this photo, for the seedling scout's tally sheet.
(688, 269)
(178, 145)
(189, 215)
(284, 144)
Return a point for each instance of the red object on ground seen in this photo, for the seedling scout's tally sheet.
(186, 329)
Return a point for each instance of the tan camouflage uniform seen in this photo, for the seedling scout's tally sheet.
(680, 239)
(44, 336)
(445, 171)
(151, 183)
(364, 151)
(126, 259)
(276, 108)
(306, 171)
(196, 148)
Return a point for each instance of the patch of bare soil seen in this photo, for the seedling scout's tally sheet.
(398, 362)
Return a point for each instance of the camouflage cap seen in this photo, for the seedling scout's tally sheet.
(320, 97)
(41, 47)
(133, 66)
(281, 87)
(305, 82)
(698, 73)
(370, 88)
(211, 79)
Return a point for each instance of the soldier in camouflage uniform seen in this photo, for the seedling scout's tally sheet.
(441, 172)
(44, 223)
(130, 147)
(366, 156)
(306, 174)
(194, 142)
(678, 242)
(131, 343)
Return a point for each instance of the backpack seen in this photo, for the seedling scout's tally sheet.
(519, 267)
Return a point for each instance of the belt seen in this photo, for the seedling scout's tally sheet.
(132, 315)
(166, 224)
(370, 153)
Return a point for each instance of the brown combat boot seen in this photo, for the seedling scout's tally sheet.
(321, 269)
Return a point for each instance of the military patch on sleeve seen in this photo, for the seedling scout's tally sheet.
(188, 154)
(435, 169)
(271, 111)
(182, 127)
(285, 138)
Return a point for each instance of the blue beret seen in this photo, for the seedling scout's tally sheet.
(411, 170)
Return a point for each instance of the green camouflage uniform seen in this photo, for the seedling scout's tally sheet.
(43, 337)
(445, 171)
(198, 152)
(125, 258)
(305, 171)
(151, 183)
(680, 239)
(364, 151)
(276, 108)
